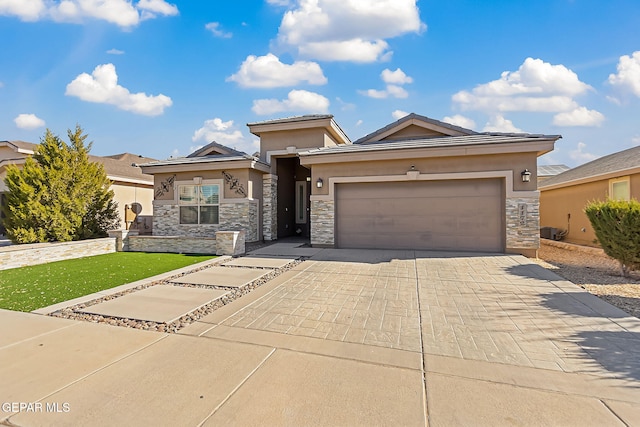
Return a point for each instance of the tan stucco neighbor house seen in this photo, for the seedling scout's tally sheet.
(130, 186)
(564, 196)
(417, 183)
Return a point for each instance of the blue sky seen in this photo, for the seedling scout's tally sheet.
(161, 78)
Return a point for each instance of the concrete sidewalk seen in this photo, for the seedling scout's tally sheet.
(346, 338)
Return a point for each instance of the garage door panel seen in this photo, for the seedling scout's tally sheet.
(454, 215)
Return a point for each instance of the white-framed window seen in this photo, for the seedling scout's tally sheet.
(619, 189)
(199, 203)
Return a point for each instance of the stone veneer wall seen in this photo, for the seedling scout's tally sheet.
(41, 253)
(322, 222)
(235, 216)
(522, 236)
(172, 244)
(270, 207)
(241, 216)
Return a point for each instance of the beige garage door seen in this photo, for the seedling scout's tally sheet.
(447, 215)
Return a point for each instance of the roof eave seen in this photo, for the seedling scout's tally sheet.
(396, 153)
(592, 178)
(151, 168)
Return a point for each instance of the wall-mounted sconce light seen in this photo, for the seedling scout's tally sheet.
(526, 175)
(197, 180)
(319, 183)
(308, 179)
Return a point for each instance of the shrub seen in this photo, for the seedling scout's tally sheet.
(617, 227)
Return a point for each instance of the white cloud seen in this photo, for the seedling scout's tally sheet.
(268, 72)
(397, 77)
(359, 122)
(339, 30)
(157, 7)
(536, 86)
(102, 87)
(26, 10)
(628, 75)
(398, 114)
(115, 52)
(28, 121)
(581, 116)
(215, 29)
(635, 140)
(300, 101)
(580, 155)
(393, 79)
(221, 132)
(356, 50)
(460, 120)
(498, 123)
(120, 12)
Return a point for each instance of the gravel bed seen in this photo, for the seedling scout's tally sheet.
(596, 273)
(234, 293)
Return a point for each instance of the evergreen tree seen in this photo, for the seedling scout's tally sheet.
(59, 194)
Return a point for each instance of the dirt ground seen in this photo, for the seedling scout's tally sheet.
(597, 274)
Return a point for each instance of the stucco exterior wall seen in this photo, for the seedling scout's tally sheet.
(452, 164)
(164, 183)
(128, 194)
(563, 208)
(299, 138)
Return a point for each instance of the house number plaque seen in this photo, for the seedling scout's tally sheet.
(522, 214)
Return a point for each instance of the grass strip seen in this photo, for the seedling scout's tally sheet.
(37, 286)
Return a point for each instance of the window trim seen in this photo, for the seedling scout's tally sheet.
(204, 182)
(616, 181)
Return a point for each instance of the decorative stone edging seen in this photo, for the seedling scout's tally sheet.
(173, 327)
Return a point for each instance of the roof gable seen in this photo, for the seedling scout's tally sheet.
(215, 149)
(414, 126)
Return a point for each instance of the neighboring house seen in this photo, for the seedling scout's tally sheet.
(564, 197)
(417, 183)
(547, 171)
(130, 186)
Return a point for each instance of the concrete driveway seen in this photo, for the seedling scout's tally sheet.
(345, 338)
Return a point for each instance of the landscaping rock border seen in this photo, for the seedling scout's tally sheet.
(73, 312)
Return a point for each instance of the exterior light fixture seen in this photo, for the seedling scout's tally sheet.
(526, 175)
(319, 183)
(308, 179)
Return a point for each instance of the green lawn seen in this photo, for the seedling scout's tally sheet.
(30, 288)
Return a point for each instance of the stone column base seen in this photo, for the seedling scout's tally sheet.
(230, 243)
(122, 238)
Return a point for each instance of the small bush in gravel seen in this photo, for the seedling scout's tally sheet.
(617, 227)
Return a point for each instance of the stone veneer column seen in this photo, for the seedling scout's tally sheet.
(523, 222)
(322, 222)
(269, 207)
(240, 215)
